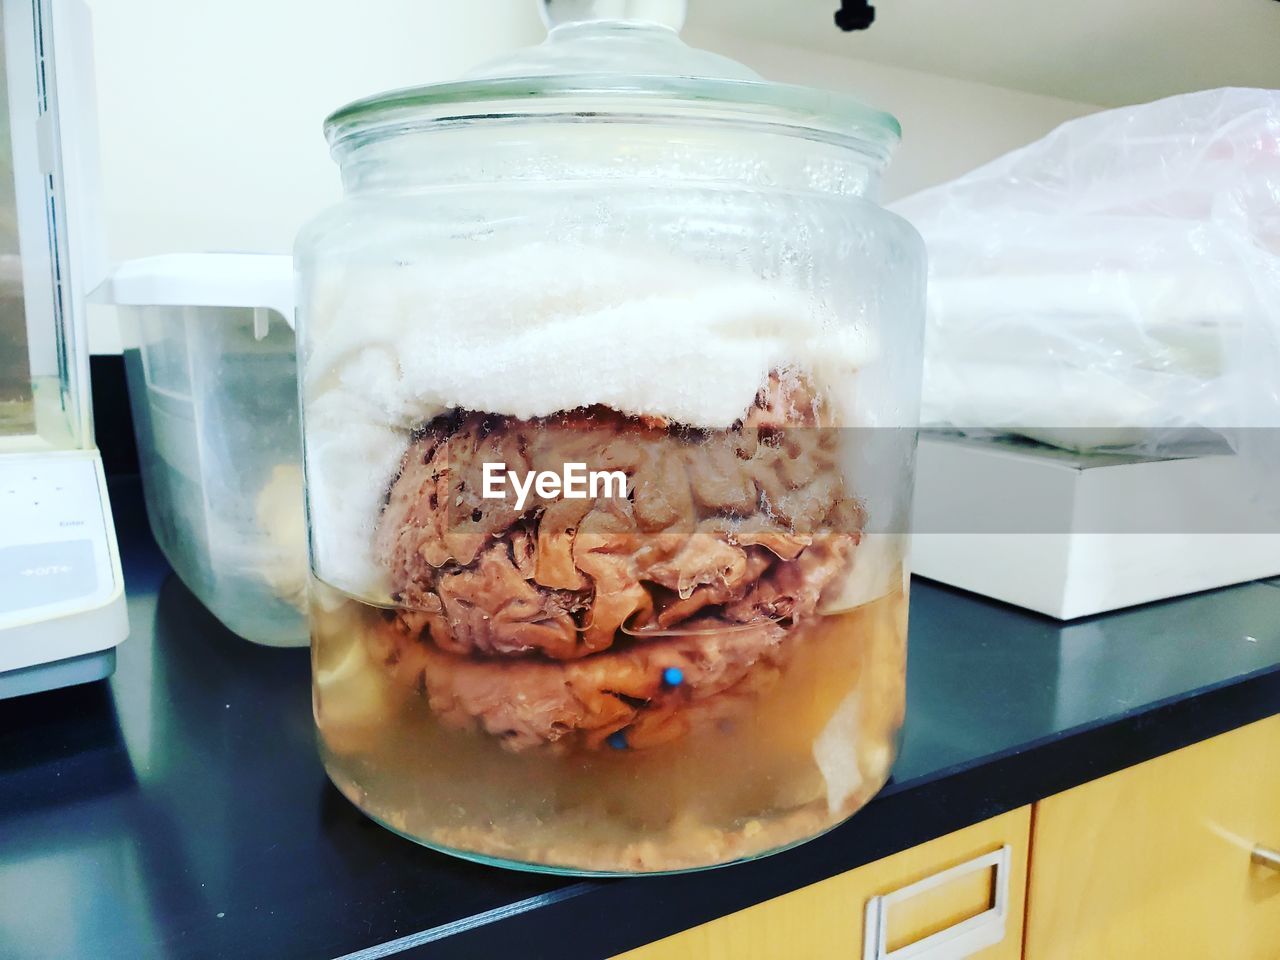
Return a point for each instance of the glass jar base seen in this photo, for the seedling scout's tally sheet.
(350, 791)
(777, 763)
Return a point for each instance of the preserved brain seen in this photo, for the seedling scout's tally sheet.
(557, 623)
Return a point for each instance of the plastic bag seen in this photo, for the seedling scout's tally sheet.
(1115, 284)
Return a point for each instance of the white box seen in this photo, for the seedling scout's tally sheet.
(1071, 535)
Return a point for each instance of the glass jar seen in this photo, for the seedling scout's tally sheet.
(610, 370)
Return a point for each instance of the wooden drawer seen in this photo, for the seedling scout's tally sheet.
(827, 919)
(1154, 861)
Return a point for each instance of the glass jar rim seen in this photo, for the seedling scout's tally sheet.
(805, 112)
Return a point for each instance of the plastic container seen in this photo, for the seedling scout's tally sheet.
(610, 380)
(209, 355)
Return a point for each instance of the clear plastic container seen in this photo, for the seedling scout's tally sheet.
(212, 372)
(610, 380)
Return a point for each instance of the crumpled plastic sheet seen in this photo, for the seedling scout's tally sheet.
(1115, 284)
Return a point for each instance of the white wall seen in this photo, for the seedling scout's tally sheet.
(948, 126)
(210, 110)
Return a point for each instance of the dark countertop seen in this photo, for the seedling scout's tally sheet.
(180, 809)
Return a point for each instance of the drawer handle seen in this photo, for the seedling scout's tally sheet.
(1266, 857)
(956, 942)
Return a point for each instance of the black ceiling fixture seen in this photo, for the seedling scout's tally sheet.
(855, 15)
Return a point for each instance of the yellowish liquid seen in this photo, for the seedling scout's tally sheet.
(782, 766)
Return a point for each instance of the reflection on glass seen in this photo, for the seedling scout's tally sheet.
(17, 407)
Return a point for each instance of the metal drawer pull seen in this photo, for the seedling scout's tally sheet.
(956, 942)
(1266, 857)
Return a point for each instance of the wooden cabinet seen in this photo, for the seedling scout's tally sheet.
(827, 919)
(1154, 861)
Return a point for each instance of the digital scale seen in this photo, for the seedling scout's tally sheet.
(62, 606)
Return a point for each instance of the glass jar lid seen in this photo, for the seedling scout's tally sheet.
(617, 59)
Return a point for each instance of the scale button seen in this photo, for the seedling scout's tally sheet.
(36, 574)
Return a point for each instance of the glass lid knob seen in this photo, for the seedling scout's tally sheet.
(668, 13)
